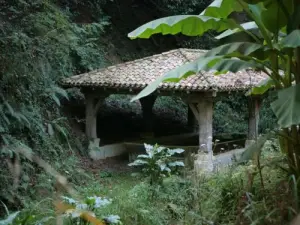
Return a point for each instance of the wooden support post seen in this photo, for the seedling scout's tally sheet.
(147, 104)
(91, 118)
(203, 111)
(92, 106)
(192, 121)
(254, 103)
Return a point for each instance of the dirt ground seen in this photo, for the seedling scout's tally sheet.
(114, 164)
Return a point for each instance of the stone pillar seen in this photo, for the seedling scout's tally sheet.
(147, 104)
(192, 121)
(91, 118)
(254, 103)
(92, 106)
(203, 110)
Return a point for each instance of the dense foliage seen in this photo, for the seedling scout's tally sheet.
(235, 195)
(40, 44)
(272, 46)
(43, 41)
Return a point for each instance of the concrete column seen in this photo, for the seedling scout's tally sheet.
(147, 104)
(90, 118)
(92, 106)
(254, 103)
(205, 109)
(192, 121)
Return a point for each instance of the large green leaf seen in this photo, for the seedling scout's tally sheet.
(253, 2)
(190, 25)
(292, 40)
(244, 48)
(262, 87)
(253, 151)
(245, 26)
(177, 74)
(287, 106)
(9, 220)
(201, 64)
(256, 14)
(295, 19)
(274, 16)
(222, 8)
(233, 65)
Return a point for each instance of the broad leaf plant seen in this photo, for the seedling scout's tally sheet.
(270, 43)
(158, 163)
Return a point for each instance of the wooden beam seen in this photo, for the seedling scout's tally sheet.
(195, 111)
(99, 103)
(91, 118)
(192, 120)
(147, 104)
(254, 103)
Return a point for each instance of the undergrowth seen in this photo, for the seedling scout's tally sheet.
(40, 44)
(234, 195)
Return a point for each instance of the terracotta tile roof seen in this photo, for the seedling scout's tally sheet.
(138, 73)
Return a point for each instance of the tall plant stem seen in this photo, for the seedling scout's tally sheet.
(259, 24)
(288, 71)
(260, 174)
(297, 73)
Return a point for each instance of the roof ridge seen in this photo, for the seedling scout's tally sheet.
(194, 49)
(183, 50)
(136, 60)
(150, 57)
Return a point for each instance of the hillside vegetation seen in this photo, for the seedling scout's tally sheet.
(43, 41)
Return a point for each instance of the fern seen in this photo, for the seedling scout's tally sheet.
(40, 44)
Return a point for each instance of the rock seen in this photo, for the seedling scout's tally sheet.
(204, 163)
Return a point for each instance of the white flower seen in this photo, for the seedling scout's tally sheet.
(99, 202)
(113, 219)
(69, 200)
(217, 140)
(82, 206)
(202, 145)
(74, 213)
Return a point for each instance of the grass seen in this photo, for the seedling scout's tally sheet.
(226, 197)
(234, 195)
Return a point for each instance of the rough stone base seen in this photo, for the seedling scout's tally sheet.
(106, 151)
(226, 159)
(204, 163)
(249, 142)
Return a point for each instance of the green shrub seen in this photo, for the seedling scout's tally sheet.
(158, 162)
(90, 205)
(40, 44)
